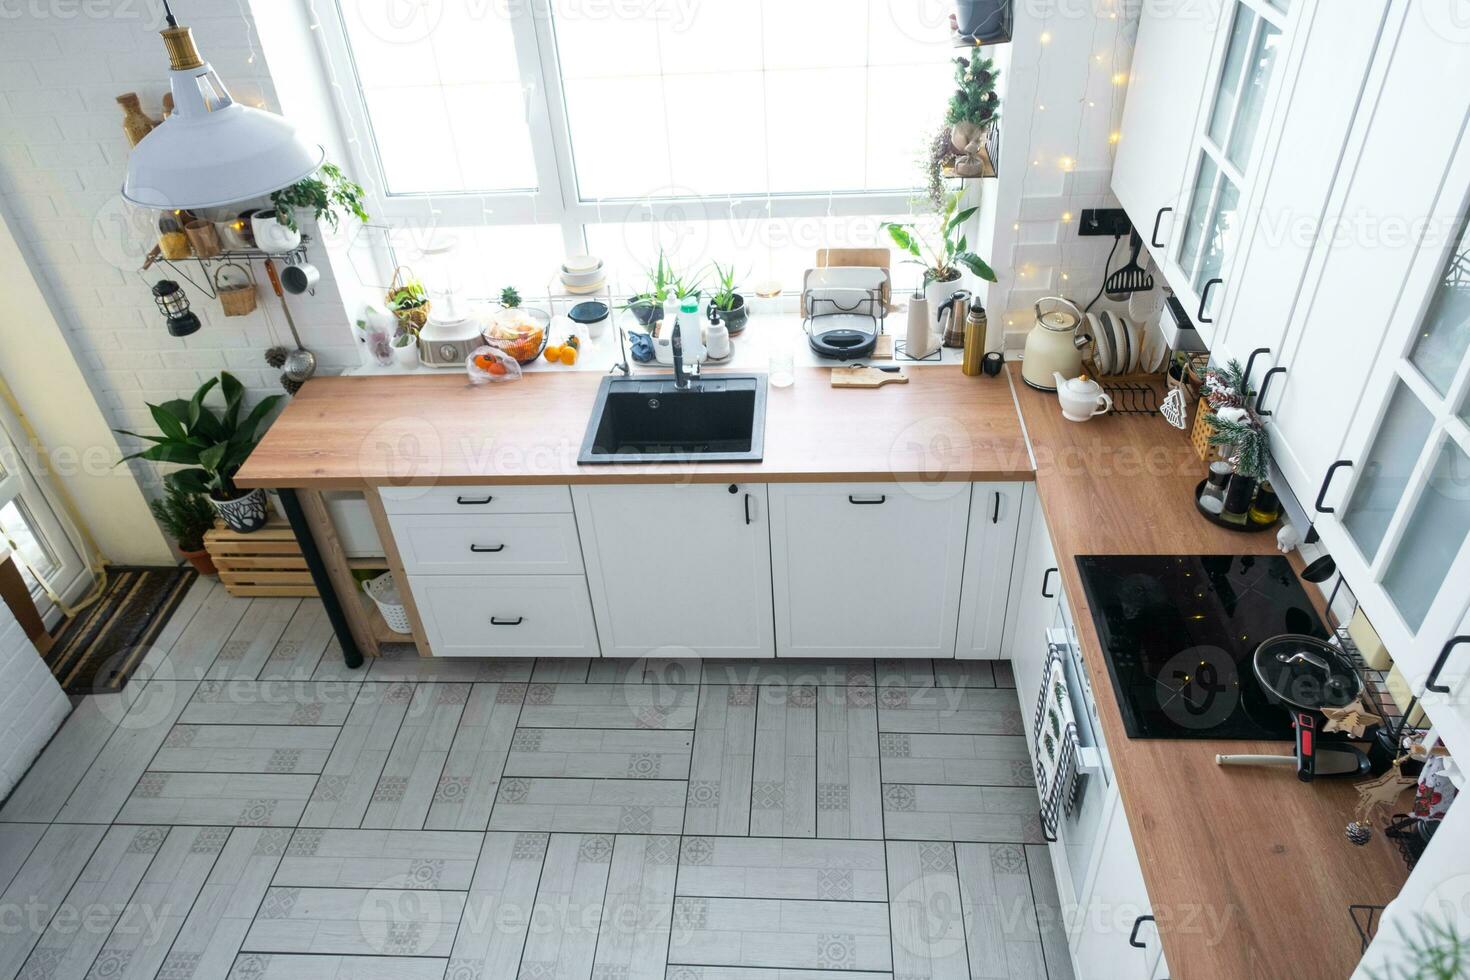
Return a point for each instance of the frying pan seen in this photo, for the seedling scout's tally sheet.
(1307, 675)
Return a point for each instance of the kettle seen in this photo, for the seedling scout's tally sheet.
(1081, 397)
(1054, 345)
(953, 313)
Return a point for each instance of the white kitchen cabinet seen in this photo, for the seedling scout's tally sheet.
(993, 566)
(1115, 936)
(1033, 606)
(1165, 85)
(488, 544)
(867, 569)
(678, 570)
(506, 615)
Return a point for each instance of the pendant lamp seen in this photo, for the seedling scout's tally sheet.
(212, 150)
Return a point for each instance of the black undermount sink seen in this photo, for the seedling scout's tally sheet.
(646, 420)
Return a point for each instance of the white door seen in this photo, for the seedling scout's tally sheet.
(678, 570)
(1033, 607)
(1115, 936)
(867, 569)
(1165, 85)
(30, 529)
(993, 566)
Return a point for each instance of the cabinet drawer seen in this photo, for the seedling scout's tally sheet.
(477, 500)
(521, 544)
(491, 616)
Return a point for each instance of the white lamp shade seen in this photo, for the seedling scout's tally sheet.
(214, 151)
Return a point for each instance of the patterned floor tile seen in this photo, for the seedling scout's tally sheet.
(230, 799)
(924, 907)
(949, 711)
(956, 760)
(412, 859)
(783, 934)
(919, 811)
(723, 761)
(625, 806)
(471, 775)
(783, 793)
(410, 777)
(568, 911)
(492, 932)
(1001, 931)
(849, 786)
(794, 868)
(609, 706)
(356, 921)
(347, 783)
(600, 753)
(245, 748)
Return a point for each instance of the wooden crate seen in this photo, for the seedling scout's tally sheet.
(265, 562)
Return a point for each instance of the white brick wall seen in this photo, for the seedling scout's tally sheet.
(62, 158)
(32, 705)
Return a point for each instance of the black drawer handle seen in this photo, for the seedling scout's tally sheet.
(1045, 578)
(995, 514)
(507, 622)
(1320, 507)
(1153, 238)
(474, 500)
(1250, 363)
(1133, 936)
(747, 508)
(1266, 383)
(486, 549)
(1432, 684)
(1204, 298)
(867, 500)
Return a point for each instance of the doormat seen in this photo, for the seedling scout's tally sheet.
(98, 650)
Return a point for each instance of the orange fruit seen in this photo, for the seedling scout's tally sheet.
(569, 355)
(496, 367)
(553, 353)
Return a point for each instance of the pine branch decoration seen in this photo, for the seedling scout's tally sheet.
(1246, 440)
(975, 99)
(1224, 387)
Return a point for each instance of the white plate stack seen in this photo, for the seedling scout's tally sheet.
(582, 275)
(1121, 345)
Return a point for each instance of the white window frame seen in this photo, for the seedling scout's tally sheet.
(556, 200)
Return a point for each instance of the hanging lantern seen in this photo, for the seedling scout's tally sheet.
(174, 305)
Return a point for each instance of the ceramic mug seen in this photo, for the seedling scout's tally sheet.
(297, 279)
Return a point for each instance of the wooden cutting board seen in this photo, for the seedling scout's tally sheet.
(866, 377)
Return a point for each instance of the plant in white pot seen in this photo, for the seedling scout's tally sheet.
(213, 446)
(942, 249)
(324, 194)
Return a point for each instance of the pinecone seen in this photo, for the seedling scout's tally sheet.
(276, 357)
(291, 385)
(1359, 833)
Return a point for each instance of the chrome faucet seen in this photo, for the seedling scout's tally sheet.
(681, 376)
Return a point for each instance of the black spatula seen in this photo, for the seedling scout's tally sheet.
(1132, 278)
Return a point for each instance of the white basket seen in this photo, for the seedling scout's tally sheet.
(383, 592)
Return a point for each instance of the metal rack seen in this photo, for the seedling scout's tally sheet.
(1133, 398)
(239, 256)
(1365, 920)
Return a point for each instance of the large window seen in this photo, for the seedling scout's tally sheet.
(748, 131)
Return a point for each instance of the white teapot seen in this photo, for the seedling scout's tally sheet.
(1081, 397)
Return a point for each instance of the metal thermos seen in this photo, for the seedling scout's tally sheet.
(952, 317)
(975, 325)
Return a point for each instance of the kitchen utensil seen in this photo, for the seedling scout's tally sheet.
(592, 314)
(1178, 329)
(300, 278)
(1306, 674)
(1102, 344)
(1054, 344)
(1339, 760)
(843, 310)
(975, 327)
(1081, 398)
(858, 376)
(1320, 570)
(300, 363)
(1132, 278)
(917, 340)
(952, 316)
(1143, 306)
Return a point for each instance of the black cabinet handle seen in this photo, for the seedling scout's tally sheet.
(1045, 578)
(1261, 396)
(1204, 298)
(507, 622)
(1133, 936)
(867, 500)
(995, 514)
(1432, 684)
(486, 549)
(1327, 482)
(474, 500)
(1250, 362)
(747, 508)
(1046, 835)
(1153, 238)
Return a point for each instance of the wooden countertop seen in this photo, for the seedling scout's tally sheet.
(347, 433)
(1248, 871)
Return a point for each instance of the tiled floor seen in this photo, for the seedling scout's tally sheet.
(250, 808)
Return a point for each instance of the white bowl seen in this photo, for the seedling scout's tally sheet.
(586, 288)
(582, 278)
(581, 265)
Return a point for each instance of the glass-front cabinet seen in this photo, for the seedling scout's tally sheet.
(1248, 61)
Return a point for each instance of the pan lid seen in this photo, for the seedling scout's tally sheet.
(1306, 672)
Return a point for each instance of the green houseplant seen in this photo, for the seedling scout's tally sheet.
(186, 516)
(648, 306)
(324, 193)
(212, 446)
(941, 248)
(725, 303)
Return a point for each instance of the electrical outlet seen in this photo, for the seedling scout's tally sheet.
(1112, 222)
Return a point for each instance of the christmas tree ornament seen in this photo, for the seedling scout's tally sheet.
(1359, 833)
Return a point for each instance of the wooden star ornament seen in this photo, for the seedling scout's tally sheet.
(1355, 719)
(1380, 794)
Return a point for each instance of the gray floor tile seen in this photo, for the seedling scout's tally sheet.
(62, 764)
(356, 921)
(924, 908)
(221, 915)
(633, 939)
(245, 748)
(949, 711)
(987, 814)
(964, 673)
(627, 806)
(609, 706)
(252, 640)
(955, 760)
(292, 966)
(849, 790)
(674, 671)
(563, 943)
(276, 702)
(723, 761)
(406, 665)
(561, 670)
(466, 789)
(759, 973)
(1049, 912)
(229, 799)
(17, 840)
(806, 673)
(492, 932)
(905, 672)
(784, 784)
(41, 884)
(1004, 675)
(410, 777)
(1001, 931)
(346, 785)
(771, 867)
(600, 753)
(380, 859)
(776, 933)
(303, 646)
(190, 656)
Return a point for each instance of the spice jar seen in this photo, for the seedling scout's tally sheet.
(173, 242)
(1267, 506)
(1212, 497)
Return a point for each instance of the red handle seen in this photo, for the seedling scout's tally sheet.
(1306, 746)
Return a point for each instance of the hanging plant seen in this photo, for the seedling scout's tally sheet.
(323, 193)
(975, 100)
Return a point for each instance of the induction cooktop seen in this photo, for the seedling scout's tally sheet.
(1179, 631)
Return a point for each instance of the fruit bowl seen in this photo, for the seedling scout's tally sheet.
(521, 333)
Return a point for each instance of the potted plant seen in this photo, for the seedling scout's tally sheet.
(213, 447)
(510, 298)
(324, 193)
(186, 516)
(406, 348)
(943, 254)
(726, 304)
(679, 292)
(648, 306)
(408, 300)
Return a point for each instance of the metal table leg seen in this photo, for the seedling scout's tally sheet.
(351, 655)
